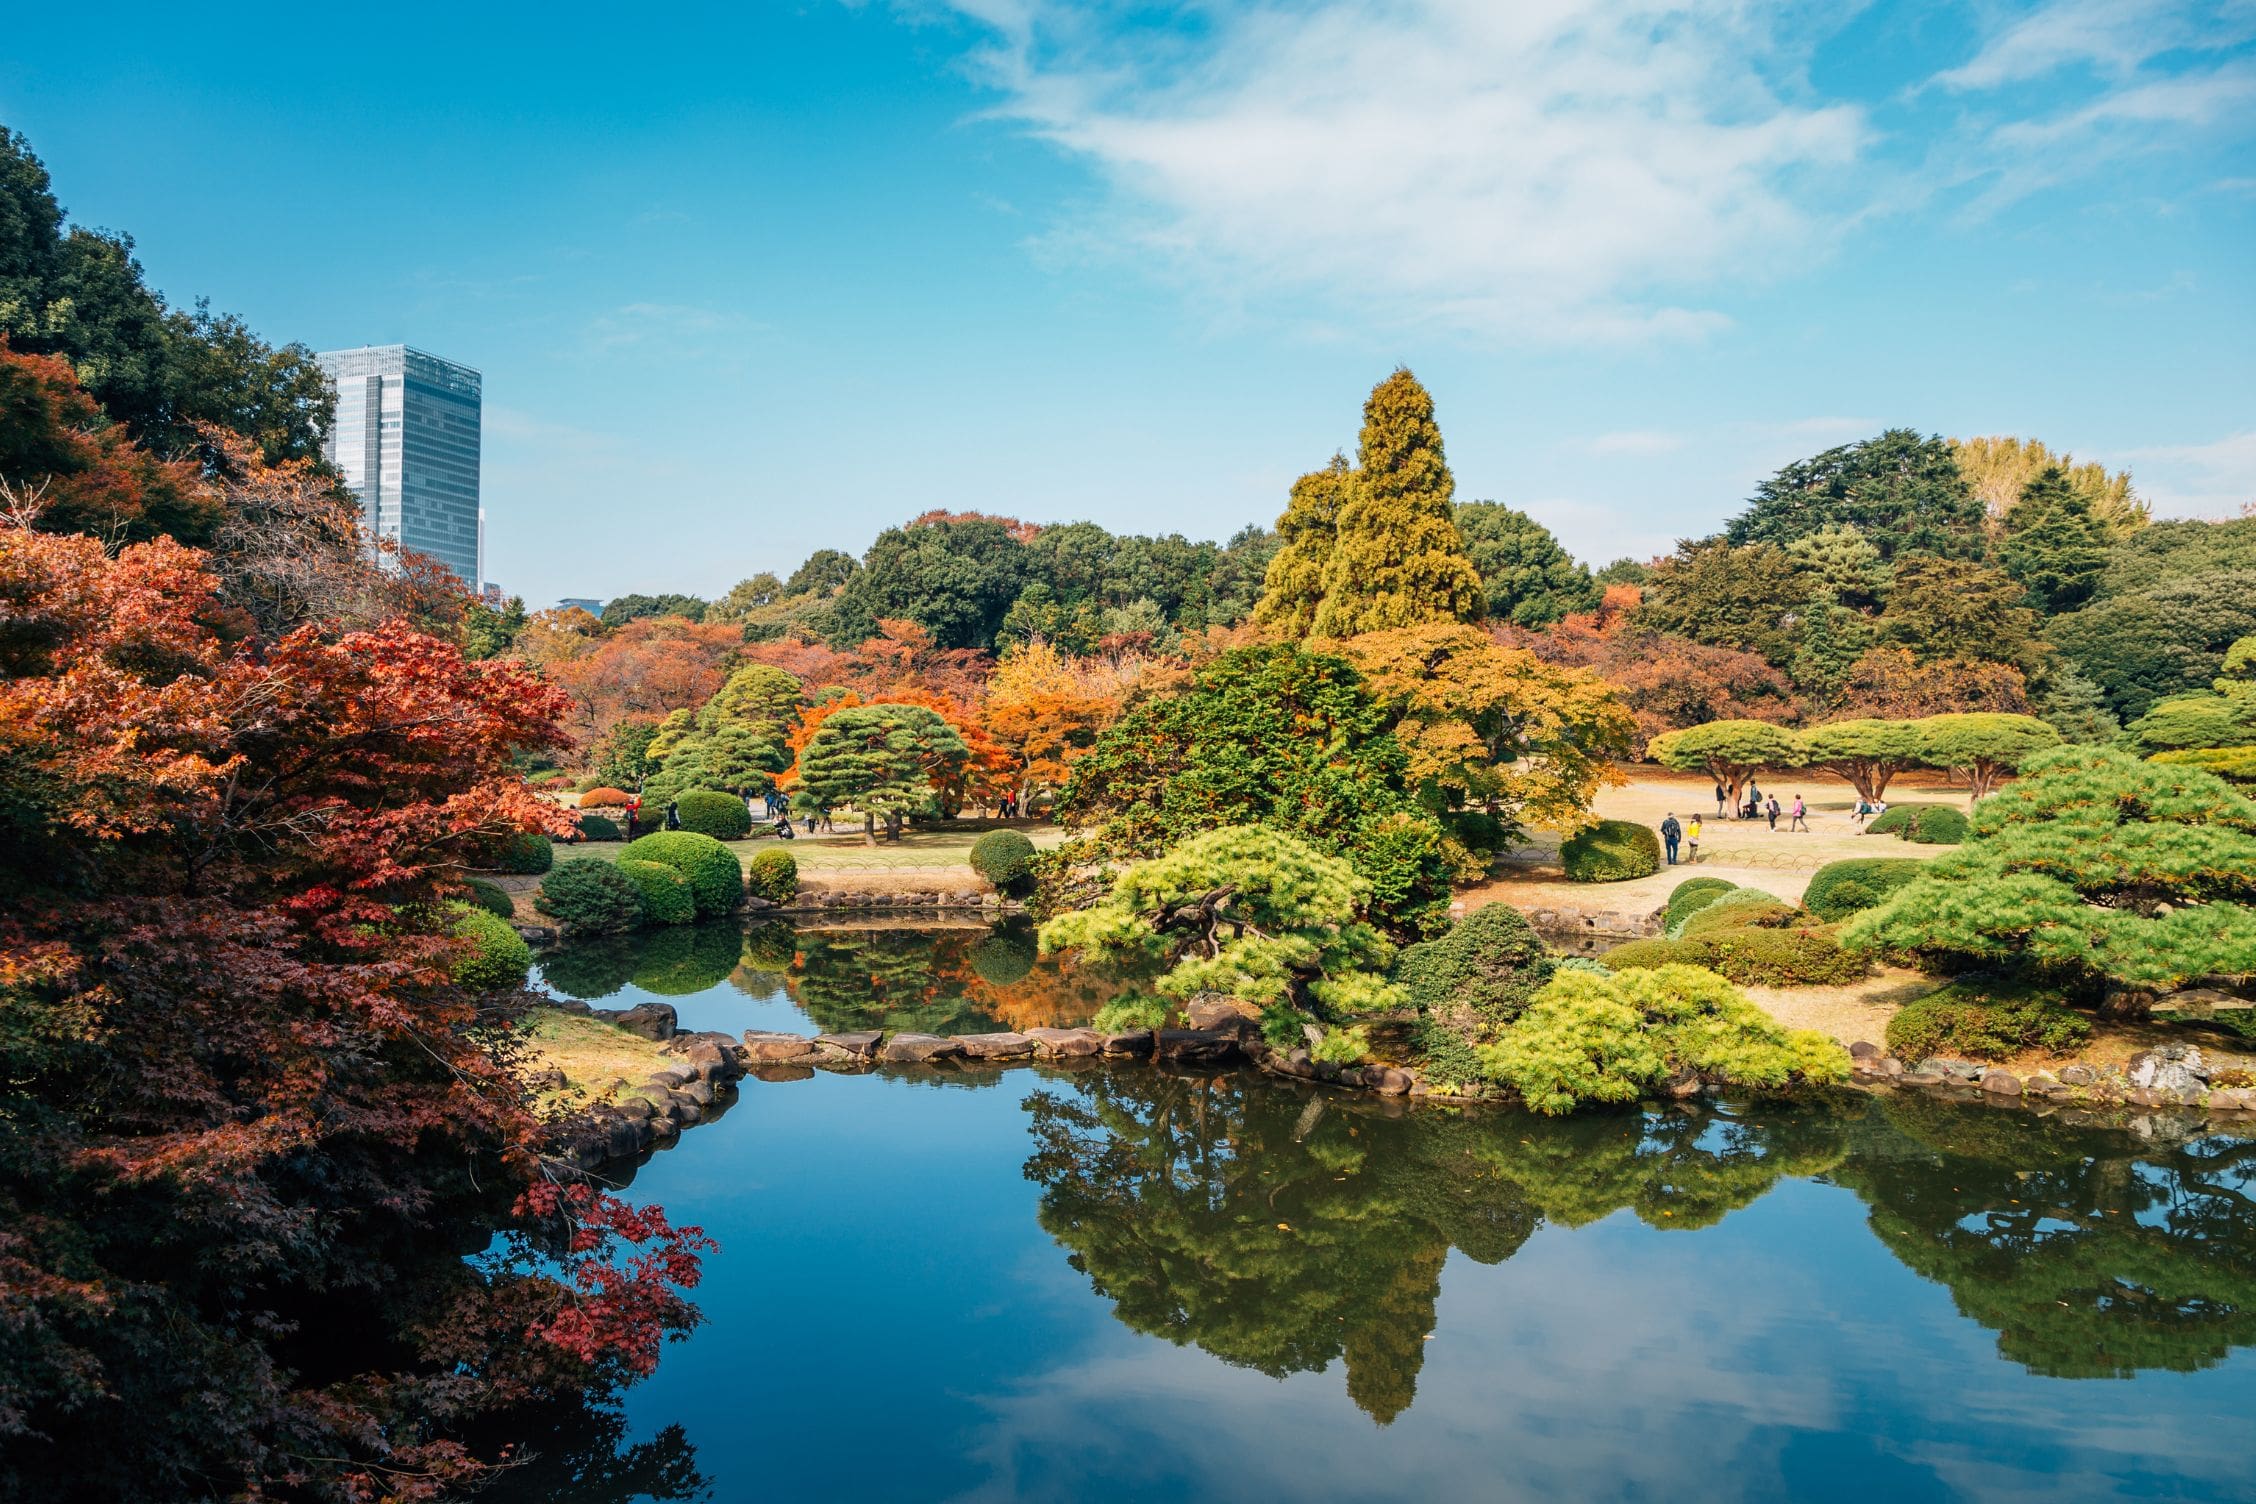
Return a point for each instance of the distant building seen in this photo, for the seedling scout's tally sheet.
(406, 441)
(592, 608)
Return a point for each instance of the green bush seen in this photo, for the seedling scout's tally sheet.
(591, 897)
(666, 898)
(773, 874)
(600, 828)
(1984, 1021)
(1585, 963)
(710, 812)
(1805, 957)
(1611, 851)
(1740, 909)
(1003, 857)
(1592, 1039)
(525, 853)
(496, 957)
(716, 877)
(491, 898)
(1872, 878)
(1469, 983)
(1690, 896)
(1927, 824)
(1479, 831)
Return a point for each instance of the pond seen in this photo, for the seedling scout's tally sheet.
(1118, 1284)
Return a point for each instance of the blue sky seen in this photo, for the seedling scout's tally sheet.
(746, 282)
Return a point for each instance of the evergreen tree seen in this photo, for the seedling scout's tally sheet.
(1843, 561)
(1293, 587)
(880, 759)
(1527, 579)
(2054, 547)
(2077, 709)
(1903, 492)
(1398, 560)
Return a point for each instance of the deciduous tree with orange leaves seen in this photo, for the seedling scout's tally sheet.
(1048, 708)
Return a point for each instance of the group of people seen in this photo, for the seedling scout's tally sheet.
(1677, 836)
(670, 821)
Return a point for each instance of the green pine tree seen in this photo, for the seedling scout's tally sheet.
(1398, 560)
(1294, 585)
(2054, 547)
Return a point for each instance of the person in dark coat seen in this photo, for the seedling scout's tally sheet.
(1671, 833)
(673, 814)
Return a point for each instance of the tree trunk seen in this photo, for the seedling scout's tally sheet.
(869, 828)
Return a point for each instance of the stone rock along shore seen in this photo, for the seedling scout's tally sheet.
(2174, 1077)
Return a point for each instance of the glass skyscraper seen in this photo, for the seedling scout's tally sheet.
(406, 441)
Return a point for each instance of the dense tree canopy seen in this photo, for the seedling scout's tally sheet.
(1904, 493)
(1526, 577)
(2000, 469)
(2054, 546)
(1748, 598)
(2166, 639)
(1397, 559)
(954, 579)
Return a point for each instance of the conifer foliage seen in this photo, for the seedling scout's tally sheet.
(1398, 560)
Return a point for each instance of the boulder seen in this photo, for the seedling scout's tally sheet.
(767, 1048)
(1956, 1070)
(2233, 1099)
(1864, 1049)
(671, 1077)
(1197, 1045)
(2001, 1083)
(1066, 1042)
(2079, 1075)
(684, 1109)
(2169, 1069)
(1213, 1011)
(1006, 1046)
(1388, 1081)
(699, 1091)
(1890, 1066)
(862, 1045)
(650, 1020)
(1134, 1042)
(637, 1107)
(918, 1049)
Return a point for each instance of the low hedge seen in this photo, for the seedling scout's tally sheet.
(1691, 895)
(1927, 824)
(1740, 909)
(716, 877)
(1802, 957)
(1612, 851)
(666, 898)
(525, 853)
(591, 896)
(1003, 857)
(773, 874)
(1839, 889)
(490, 897)
(496, 957)
(709, 812)
(601, 797)
(600, 828)
(1984, 1021)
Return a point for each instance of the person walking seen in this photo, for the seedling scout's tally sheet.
(1692, 842)
(673, 814)
(1671, 833)
(1799, 821)
(1771, 809)
(634, 810)
(1719, 800)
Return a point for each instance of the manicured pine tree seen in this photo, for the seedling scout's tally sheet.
(1398, 560)
(1294, 585)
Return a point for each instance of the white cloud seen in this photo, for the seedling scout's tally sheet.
(2197, 480)
(1636, 441)
(1559, 169)
(2110, 36)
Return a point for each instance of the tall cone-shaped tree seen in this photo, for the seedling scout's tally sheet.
(1398, 560)
(1294, 586)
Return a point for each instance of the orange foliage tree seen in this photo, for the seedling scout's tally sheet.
(899, 660)
(253, 1118)
(644, 670)
(1047, 708)
(1890, 684)
(1667, 682)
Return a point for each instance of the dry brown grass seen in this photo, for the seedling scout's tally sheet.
(593, 1055)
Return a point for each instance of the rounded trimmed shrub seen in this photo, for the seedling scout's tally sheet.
(709, 812)
(1740, 909)
(591, 896)
(490, 897)
(1002, 959)
(716, 877)
(666, 898)
(773, 874)
(1003, 857)
(1839, 889)
(524, 853)
(496, 957)
(1612, 851)
(1805, 957)
(601, 797)
(1470, 982)
(1927, 824)
(1984, 1022)
(1689, 897)
(600, 828)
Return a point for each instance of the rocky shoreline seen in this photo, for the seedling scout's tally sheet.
(681, 1095)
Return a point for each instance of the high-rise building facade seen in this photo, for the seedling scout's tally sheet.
(406, 441)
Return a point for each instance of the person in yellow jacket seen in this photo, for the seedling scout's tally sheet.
(1692, 841)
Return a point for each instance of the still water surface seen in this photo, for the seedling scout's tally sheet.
(1113, 1284)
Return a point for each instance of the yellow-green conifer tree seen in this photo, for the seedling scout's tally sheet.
(1397, 559)
(1294, 586)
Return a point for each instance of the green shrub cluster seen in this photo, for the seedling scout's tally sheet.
(1587, 1038)
(1611, 851)
(1740, 909)
(1473, 980)
(1984, 1021)
(1808, 956)
(709, 812)
(524, 853)
(1839, 889)
(600, 828)
(495, 957)
(1003, 857)
(591, 896)
(490, 897)
(1926, 824)
(773, 874)
(716, 877)
(1692, 894)
(666, 898)
(1480, 831)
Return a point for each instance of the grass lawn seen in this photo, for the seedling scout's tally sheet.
(593, 1055)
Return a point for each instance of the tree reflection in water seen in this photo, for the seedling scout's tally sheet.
(1281, 1230)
